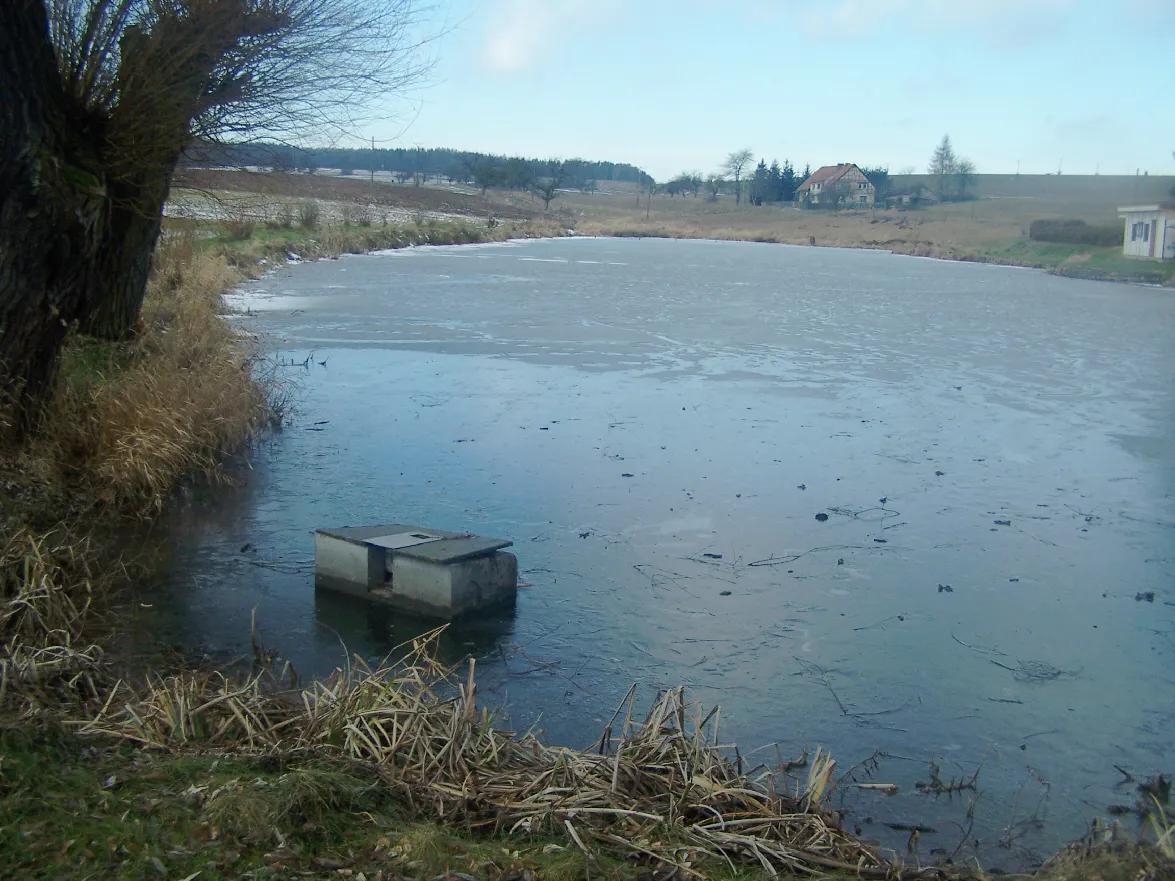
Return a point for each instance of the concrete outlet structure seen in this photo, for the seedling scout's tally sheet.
(427, 572)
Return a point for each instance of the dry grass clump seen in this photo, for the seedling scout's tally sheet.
(313, 796)
(357, 214)
(282, 218)
(663, 788)
(1111, 861)
(240, 228)
(128, 423)
(45, 596)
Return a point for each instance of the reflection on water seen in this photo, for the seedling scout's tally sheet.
(656, 424)
(352, 619)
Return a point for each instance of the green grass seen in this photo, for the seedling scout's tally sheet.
(1082, 261)
(86, 360)
(83, 808)
(78, 808)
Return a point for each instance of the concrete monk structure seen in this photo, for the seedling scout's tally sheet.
(1150, 231)
(426, 572)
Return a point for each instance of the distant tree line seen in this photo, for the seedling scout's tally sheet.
(773, 183)
(952, 176)
(484, 170)
(765, 185)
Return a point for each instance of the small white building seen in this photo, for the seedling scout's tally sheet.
(1150, 231)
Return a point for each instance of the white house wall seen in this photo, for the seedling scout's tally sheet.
(1140, 244)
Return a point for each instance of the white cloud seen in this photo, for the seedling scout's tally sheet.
(1014, 20)
(521, 32)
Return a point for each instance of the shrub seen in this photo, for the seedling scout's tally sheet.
(240, 228)
(360, 215)
(1075, 232)
(308, 214)
(284, 219)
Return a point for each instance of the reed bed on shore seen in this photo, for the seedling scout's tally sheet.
(660, 787)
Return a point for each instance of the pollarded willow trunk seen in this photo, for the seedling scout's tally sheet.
(53, 211)
(88, 145)
(118, 279)
(78, 221)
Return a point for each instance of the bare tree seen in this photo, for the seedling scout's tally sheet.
(650, 189)
(735, 164)
(964, 176)
(98, 101)
(548, 188)
(713, 185)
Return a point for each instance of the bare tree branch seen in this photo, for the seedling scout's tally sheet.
(734, 166)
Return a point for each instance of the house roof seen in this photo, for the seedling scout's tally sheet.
(827, 174)
(1146, 209)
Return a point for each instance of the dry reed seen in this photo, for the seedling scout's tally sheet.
(168, 405)
(45, 594)
(662, 788)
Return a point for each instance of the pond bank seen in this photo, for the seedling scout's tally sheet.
(1071, 261)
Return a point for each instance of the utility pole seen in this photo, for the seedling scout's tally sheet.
(373, 162)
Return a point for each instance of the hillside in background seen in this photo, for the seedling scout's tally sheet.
(1085, 197)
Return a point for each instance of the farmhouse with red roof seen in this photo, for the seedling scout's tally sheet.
(844, 183)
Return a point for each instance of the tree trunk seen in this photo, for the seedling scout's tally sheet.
(118, 279)
(76, 237)
(52, 211)
(83, 180)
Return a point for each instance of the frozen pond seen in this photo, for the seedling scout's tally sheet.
(656, 424)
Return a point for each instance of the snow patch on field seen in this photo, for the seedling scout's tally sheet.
(226, 205)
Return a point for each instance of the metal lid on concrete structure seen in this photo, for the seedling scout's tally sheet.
(421, 543)
(399, 540)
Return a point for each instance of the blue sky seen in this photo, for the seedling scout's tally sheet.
(672, 85)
